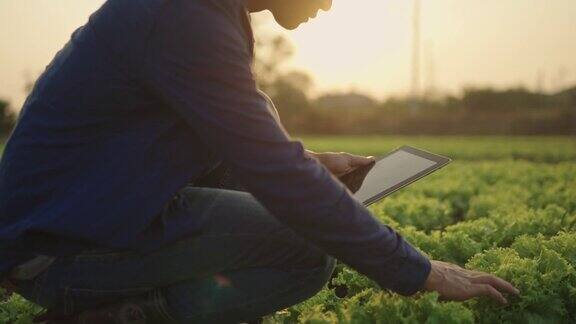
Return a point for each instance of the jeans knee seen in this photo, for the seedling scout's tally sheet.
(323, 274)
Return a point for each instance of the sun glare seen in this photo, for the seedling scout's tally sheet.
(367, 44)
(352, 43)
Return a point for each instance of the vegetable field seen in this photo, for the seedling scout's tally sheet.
(505, 205)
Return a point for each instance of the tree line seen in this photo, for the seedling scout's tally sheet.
(475, 111)
(481, 111)
(7, 118)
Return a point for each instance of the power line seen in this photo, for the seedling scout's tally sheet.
(416, 79)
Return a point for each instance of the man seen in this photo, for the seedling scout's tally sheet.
(116, 187)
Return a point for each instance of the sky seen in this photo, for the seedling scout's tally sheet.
(360, 45)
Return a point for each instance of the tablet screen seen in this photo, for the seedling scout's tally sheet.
(391, 172)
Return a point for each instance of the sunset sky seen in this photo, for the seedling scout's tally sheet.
(363, 45)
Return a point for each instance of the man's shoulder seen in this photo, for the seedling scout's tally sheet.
(209, 8)
(212, 23)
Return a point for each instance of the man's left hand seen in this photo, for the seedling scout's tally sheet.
(341, 163)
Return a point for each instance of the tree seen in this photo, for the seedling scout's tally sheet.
(288, 89)
(271, 54)
(7, 118)
(290, 92)
(510, 99)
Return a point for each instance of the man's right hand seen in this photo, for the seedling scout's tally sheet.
(455, 283)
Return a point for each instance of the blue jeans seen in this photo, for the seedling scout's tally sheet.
(244, 265)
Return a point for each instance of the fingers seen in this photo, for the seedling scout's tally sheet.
(456, 283)
(356, 160)
(326, 5)
(341, 173)
(489, 291)
(492, 286)
(497, 283)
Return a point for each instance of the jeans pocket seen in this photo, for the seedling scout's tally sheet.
(80, 299)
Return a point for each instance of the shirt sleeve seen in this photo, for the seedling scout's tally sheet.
(198, 62)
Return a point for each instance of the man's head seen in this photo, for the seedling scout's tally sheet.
(290, 13)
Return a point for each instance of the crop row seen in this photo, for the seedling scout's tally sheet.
(535, 149)
(514, 219)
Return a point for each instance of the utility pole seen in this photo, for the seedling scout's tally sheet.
(540, 81)
(430, 76)
(416, 80)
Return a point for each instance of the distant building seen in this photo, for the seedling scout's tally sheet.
(567, 97)
(345, 100)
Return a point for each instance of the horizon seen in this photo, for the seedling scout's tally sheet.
(459, 47)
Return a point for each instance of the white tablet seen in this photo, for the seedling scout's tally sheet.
(391, 172)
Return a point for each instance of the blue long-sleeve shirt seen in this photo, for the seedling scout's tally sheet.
(131, 110)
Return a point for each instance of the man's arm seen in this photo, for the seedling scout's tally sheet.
(198, 63)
